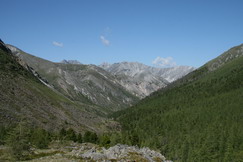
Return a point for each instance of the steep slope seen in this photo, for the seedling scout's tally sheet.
(24, 97)
(87, 84)
(142, 80)
(198, 118)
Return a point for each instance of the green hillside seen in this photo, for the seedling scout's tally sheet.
(24, 97)
(198, 118)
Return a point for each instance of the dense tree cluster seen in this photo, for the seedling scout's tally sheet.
(199, 120)
(21, 138)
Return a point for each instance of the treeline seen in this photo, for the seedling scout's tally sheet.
(22, 138)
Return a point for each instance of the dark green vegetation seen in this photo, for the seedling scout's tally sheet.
(198, 118)
(23, 139)
(20, 138)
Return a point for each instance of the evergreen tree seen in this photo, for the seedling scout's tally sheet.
(94, 137)
(104, 140)
(62, 134)
(70, 135)
(87, 136)
(3, 134)
(90, 137)
(19, 141)
(115, 138)
(40, 138)
(79, 138)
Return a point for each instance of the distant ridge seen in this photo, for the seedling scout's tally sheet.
(141, 79)
(70, 62)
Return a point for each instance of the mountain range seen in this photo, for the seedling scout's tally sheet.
(185, 113)
(112, 88)
(67, 94)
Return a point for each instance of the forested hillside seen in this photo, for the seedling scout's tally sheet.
(199, 118)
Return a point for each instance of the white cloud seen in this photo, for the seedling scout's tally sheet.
(164, 62)
(104, 40)
(58, 44)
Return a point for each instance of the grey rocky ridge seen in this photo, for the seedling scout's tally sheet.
(142, 80)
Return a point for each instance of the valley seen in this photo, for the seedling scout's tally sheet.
(121, 81)
(184, 113)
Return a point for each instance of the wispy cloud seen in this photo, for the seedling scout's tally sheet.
(104, 40)
(58, 44)
(164, 62)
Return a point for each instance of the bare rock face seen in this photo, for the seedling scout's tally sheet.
(118, 153)
(76, 152)
(142, 80)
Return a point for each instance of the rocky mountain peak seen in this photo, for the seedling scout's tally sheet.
(141, 80)
(105, 65)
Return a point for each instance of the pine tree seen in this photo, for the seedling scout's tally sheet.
(87, 136)
(40, 138)
(105, 140)
(79, 138)
(62, 134)
(70, 135)
(3, 134)
(90, 137)
(19, 141)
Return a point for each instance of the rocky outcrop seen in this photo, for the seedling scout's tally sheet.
(227, 56)
(75, 152)
(118, 153)
(17, 52)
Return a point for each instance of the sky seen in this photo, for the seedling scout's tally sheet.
(159, 33)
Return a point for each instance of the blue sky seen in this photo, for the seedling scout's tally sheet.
(163, 32)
